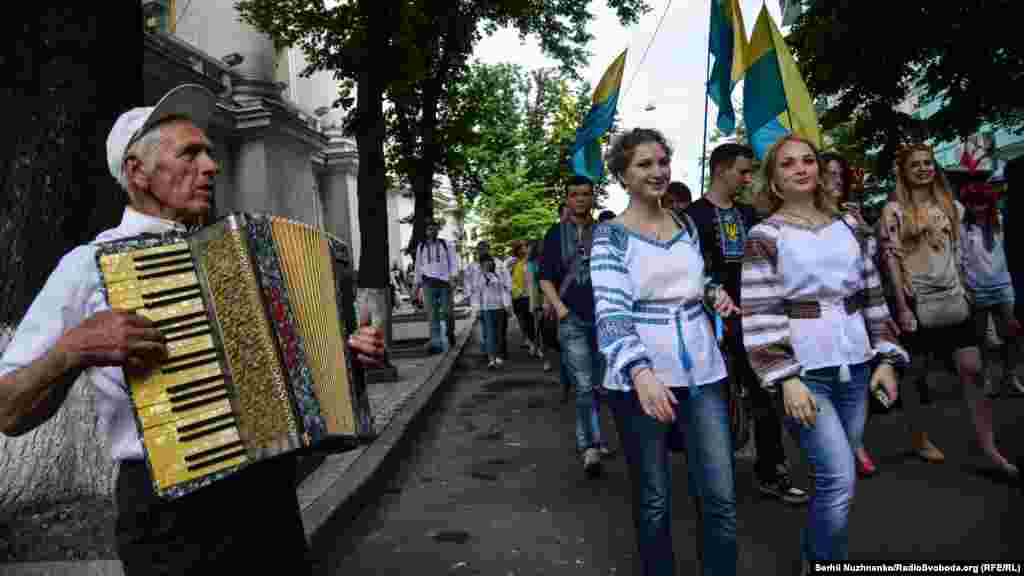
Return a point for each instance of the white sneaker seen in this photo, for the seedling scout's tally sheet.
(591, 462)
(499, 362)
(547, 366)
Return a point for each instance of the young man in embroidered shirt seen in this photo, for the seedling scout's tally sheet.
(162, 157)
(723, 226)
(565, 280)
(436, 264)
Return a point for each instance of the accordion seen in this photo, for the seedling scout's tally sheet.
(255, 310)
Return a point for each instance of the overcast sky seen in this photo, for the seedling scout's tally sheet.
(671, 78)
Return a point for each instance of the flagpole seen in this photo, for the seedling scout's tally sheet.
(704, 141)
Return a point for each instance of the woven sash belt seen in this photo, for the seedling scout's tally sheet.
(811, 309)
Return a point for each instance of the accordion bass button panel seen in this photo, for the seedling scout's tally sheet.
(183, 405)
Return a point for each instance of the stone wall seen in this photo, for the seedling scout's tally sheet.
(63, 459)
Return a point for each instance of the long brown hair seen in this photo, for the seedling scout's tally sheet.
(767, 200)
(941, 192)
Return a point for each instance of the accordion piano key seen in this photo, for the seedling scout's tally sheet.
(178, 456)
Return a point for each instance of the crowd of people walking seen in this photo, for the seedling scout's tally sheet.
(676, 311)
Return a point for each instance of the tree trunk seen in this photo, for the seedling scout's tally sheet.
(423, 183)
(450, 49)
(373, 214)
(56, 193)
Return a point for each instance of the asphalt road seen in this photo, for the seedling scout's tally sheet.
(491, 485)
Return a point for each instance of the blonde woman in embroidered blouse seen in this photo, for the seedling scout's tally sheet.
(920, 235)
(814, 318)
(665, 372)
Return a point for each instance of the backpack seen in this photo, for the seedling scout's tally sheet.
(443, 242)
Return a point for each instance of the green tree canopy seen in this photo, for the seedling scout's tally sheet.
(869, 57)
(413, 53)
(513, 158)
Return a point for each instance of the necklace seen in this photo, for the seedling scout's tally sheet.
(810, 221)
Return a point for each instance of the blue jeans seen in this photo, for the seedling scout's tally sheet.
(584, 365)
(489, 329)
(594, 412)
(829, 445)
(436, 296)
(702, 425)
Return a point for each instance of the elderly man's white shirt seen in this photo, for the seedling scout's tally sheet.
(72, 294)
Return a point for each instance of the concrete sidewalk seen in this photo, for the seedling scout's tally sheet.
(337, 488)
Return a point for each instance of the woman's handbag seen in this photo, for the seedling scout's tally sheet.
(938, 307)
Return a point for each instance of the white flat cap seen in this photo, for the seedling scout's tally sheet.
(191, 101)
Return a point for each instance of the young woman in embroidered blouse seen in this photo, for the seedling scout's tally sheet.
(665, 372)
(988, 277)
(490, 290)
(814, 317)
(920, 236)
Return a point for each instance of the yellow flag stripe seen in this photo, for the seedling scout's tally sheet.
(761, 38)
(801, 106)
(612, 79)
(739, 38)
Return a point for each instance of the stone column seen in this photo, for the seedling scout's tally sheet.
(338, 193)
(273, 166)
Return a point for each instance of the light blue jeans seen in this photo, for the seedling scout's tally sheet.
(829, 446)
(436, 296)
(584, 365)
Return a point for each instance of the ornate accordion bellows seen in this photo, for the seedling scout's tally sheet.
(256, 310)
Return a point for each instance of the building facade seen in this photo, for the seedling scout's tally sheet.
(279, 140)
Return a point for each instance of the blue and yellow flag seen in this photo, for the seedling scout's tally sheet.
(728, 44)
(775, 99)
(586, 150)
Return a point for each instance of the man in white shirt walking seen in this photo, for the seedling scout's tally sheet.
(436, 264)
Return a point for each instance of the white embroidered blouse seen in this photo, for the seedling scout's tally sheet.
(491, 290)
(650, 308)
(812, 300)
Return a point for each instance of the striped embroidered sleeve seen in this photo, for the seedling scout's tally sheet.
(613, 297)
(765, 322)
(876, 311)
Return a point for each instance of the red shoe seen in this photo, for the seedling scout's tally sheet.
(865, 467)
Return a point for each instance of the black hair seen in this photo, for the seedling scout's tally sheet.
(536, 249)
(578, 180)
(728, 153)
(829, 157)
(679, 189)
